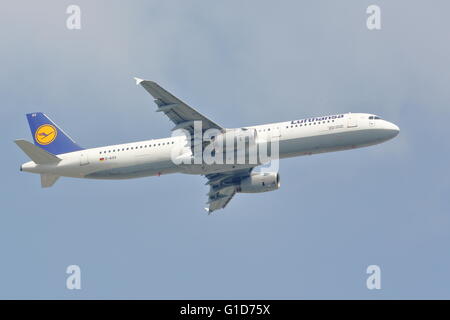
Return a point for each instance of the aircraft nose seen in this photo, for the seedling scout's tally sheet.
(393, 129)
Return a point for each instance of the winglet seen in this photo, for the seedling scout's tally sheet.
(138, 80)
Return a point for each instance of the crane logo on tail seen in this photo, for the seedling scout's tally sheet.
(45, 134)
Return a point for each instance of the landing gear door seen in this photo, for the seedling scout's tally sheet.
(352, 121)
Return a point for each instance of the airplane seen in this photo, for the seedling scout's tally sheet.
(55, 154)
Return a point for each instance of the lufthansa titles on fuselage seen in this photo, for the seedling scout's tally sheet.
(317, 119)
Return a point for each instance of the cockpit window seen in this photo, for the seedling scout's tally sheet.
(374, 117)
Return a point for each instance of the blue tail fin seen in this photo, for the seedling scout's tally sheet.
(48, 136)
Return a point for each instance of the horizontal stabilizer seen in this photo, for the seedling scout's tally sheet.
(48, 179)
(38, 155)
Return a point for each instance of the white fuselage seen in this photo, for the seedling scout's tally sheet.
(154, 157)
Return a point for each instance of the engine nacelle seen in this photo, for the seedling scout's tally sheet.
(259, 182)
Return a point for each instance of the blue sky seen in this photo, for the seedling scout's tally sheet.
(240, 64)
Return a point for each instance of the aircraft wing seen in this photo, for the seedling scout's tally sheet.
(182, 115)
(222, 187)
(220, 198)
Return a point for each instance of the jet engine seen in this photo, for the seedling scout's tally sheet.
(259, 182)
